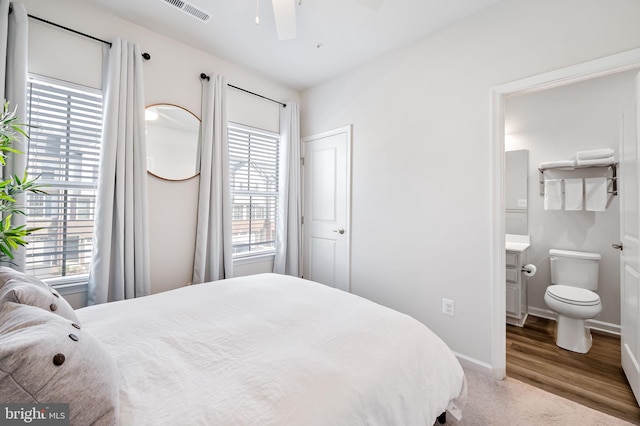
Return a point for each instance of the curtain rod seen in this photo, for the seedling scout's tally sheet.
(203, 76)
(144, 55)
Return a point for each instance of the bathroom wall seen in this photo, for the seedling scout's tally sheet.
(553, 125)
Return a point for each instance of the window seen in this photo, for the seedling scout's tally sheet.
(65, 126)
(253, 158)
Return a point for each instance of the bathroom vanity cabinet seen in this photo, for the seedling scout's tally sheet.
(516, 295)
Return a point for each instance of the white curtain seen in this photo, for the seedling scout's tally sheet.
(213, 256)
(13, 88)
(288, 232)
(120, 263)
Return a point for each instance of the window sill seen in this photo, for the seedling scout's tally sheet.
(70, 285)
(256, 258)
(80, 283)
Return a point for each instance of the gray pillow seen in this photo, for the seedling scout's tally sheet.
(21, 288)
(45, 359)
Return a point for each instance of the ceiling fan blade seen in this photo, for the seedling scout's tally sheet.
(371, 4)
(285, 14)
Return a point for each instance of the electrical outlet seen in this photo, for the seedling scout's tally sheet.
(448, 307)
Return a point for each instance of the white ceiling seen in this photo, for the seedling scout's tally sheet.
(349, 33)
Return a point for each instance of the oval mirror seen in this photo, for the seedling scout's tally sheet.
(172, 142)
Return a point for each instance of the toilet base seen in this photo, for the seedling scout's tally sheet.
(573, 335)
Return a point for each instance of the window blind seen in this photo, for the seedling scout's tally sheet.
(65, 127)
(253, 166)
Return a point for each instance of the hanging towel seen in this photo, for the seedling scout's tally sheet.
(597, 162)
(594, 154)
(573, 194)
(553, 194)
(558, 164)
(595, 190)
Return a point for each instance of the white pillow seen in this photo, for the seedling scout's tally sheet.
(21, 288)
(45, 358)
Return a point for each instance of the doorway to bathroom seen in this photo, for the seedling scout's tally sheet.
(552, 126)
(558, 137)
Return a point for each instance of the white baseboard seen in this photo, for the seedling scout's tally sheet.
(542, 313)
(604, 327)
(479, 366)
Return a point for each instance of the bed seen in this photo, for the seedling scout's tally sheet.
(264, 350)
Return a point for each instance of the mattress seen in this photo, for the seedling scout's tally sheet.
(274, 350)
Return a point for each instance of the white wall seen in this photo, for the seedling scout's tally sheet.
(553, 125)
(171, 76)
(421, 205)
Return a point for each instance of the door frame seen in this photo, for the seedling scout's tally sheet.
(348, 130)
(573, 74)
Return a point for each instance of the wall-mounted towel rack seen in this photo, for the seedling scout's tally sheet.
(613, 178)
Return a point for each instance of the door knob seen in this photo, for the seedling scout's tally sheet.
(617, 246)
(339, 231)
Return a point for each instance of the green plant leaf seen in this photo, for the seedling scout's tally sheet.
(12, 237)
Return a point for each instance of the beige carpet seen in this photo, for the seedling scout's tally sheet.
(511, 402)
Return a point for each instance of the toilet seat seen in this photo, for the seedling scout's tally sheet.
(573, 295)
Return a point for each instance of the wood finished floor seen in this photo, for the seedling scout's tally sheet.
(594, 379)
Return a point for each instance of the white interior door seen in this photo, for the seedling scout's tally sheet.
(630, 236)
(326, 227)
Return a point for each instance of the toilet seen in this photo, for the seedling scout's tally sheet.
(574, 280)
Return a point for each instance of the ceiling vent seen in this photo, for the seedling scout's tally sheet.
(189, 9)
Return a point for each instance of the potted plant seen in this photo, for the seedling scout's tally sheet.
(11, 236)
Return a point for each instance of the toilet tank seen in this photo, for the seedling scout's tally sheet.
(575, 268)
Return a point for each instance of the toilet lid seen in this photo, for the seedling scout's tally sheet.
(573, 295)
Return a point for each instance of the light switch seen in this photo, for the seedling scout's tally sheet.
(448, 307)
(522, 202)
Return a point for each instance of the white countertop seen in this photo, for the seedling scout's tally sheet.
(514, 242)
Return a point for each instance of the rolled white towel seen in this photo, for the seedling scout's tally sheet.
(597, 162)
(594, 154)
(558, 164)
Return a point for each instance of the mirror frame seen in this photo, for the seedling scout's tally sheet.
(199, 121)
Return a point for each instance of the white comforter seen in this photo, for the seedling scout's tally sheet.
(274, 350)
